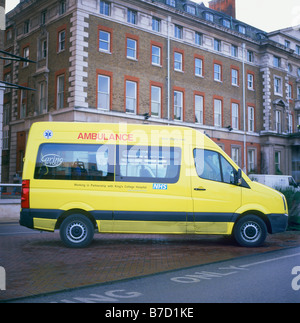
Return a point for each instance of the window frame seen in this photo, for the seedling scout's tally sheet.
(242, 29)
(250, 56)
(235, 115)
(218, 73)
(26, 53)
(250, 81)
(104, 41)
(61, 45)
(199, 108)
(190, 9)
(159, 103)
(43, 49)
(105, 8)
(178, 31)
(156, 24)
(276, 61)
(198, 38)
(176, 106)
(236, 154)
(217, 45)
(135, 50)
(135, 99)
(108, 94)
(171, 3)
(62, 7)
(157, 57)
(209, 16)
(42, 97)
(251, 159)
(278, 121)
(198, 69)
(277, 162)
(290, 123)
(218, 112)
(23, 104)
(132, 16)
(235, 77)
(178, 61)
(278, 85)
(234, 50)
(251, 118)
(60, 95)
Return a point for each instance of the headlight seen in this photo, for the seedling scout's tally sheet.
(284, 203)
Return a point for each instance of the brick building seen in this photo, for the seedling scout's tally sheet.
(177, 61)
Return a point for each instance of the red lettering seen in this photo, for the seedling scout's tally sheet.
(103, 136)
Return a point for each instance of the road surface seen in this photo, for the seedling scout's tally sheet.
(14, 229)
(267, 277)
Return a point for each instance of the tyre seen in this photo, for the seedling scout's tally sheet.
(250, 231)
(77, 231)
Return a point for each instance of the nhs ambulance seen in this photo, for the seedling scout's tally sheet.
(79, 178)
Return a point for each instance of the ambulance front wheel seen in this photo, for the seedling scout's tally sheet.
(77, 231)
(250, 231)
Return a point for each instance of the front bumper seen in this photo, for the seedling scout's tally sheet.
(278, 222)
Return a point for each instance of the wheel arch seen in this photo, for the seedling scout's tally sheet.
(72, 212)
(259, 214)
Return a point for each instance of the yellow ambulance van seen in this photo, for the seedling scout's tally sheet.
(119, 178)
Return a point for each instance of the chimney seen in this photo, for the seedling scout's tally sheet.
(225, 6)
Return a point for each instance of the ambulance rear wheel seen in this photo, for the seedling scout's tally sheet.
(77, 231)
(250, 231)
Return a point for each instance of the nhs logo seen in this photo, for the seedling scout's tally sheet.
(160, 186)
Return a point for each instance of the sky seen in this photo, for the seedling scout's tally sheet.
(268, 15)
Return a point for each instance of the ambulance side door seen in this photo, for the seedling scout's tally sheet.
(215, 194)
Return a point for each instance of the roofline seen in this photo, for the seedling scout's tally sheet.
(283, 30)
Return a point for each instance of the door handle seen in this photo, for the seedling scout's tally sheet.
(199, 188)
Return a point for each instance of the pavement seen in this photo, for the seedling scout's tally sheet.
(38, 263)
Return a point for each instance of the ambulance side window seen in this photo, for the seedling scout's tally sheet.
(212, 166)
(227, 171)
(75, 162)
(148, 164)
(207, 164)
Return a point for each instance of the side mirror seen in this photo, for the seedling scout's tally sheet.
(238, 177)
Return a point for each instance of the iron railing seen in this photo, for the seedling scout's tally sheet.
(10, 191)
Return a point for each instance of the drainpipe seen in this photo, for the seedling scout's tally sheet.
(1, 130)
(244, 109)
(169, 66)
(2, 29)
